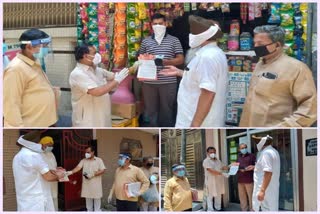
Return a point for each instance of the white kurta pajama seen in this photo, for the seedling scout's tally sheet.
(50, 159)
(268, 161)
(92, 188)
(32, 190)
(214, 184)
(207, 70)
(88, 110)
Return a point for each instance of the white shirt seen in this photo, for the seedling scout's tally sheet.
(207, 70)
(268, 161)
(213, 183)
(50, 159)
(88, 110)
(32, 190)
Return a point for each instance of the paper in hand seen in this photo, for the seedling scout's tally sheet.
(147, 70)
(65, 178)
(132, 189)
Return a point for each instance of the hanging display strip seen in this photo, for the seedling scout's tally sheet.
(293, 18)
(238, 88)
(119, 46)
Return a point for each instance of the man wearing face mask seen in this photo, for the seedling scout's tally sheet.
(149, 170)
(32, 175)
(90, 88)
(282, 90)
(160, 95)
(203, 88)
(47, 145)
(214, 180)
(29, 99)
(92, 171)
(177, 194)
(127, 173)
(246, 162)
(265, 195)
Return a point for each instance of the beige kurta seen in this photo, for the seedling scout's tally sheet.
(290, 100)
(50, 159)
(28, 97)
(88, 110)
(91, 188)
(128, 175)
(213, 183)
(177, 194)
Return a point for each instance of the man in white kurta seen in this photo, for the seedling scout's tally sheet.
(90, 87)
(214, 180)
(92, 170)
(265, 196)
(31, 175)
(202, 94)
(50, 159)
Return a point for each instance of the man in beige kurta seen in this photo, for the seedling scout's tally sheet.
(28, 97)
(213, 180)
(282, 91)
(127, 173)
(92, 170)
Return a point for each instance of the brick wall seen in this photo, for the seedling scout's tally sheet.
(9, 150)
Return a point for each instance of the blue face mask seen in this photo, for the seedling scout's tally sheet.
(121, 162)
(244, 151)
(4, 48)
(44, 51)
(181, 173)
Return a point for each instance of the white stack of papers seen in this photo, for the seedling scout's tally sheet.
(132, 189)
(147, 70)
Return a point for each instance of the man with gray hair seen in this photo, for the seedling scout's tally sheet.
(282, 90)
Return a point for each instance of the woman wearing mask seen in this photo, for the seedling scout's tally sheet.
(90, 87)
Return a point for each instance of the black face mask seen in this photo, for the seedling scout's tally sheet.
(149, 164)
(262, 50)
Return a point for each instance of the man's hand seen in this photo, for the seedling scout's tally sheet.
(171, 70)
(110, 198)
(69, 173)
(59, 174)
(261, 195)
(249, 168)
(121, 75)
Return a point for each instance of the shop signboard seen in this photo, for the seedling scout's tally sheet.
(311, 147)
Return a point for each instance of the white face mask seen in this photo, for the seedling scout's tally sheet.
(262, 142)
(97, 59)
(212, 155)
(197, 40)
(87, 155)
(49, 149)
(36, 147)
(159, 32)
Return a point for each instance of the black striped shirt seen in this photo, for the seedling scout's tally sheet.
(169, 47)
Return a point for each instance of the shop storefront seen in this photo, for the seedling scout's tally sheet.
(290, 146)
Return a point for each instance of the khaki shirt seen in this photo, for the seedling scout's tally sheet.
(91, 188)
(88, 110)
(177, 194)
(125, 176)
(148, 173)
(289, 100)
(28, 97)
